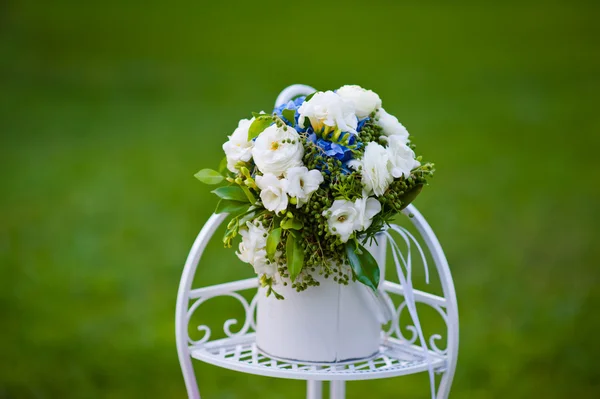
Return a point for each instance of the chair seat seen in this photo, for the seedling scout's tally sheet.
(394, 358)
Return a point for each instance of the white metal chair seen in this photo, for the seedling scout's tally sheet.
(398, 355)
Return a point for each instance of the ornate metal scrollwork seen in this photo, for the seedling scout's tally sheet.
(249, 321)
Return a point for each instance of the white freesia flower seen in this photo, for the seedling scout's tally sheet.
(342, 218)
(272, 192)
(301, 183)
(365, 101)
(252, 249)
(277, 149)
(254, 238)
(367, 207)
(328, 109)
(262, 265)
(402, 158)
(376, 176)
(238, 148)
(390, 125)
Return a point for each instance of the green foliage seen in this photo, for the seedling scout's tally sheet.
(291, 224)
(233, 193)
(309, 96)
(209, 176)
(231, 206)
(410, 196)
(223, 165)
(273, 242)
(260, 123)
(347, 186)
(294, 256)
(364, 265)
(290, 115)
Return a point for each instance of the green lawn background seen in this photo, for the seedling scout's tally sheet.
(107, 109)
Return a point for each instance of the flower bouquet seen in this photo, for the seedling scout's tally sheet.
(309, 187)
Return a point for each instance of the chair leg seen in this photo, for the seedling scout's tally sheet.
(314, 389)
(337, 390)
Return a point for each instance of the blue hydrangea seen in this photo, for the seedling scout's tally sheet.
(294, 105)
(334, 150)
(361, 123)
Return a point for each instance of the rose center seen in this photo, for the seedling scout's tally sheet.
(274, 145)
(342, 219)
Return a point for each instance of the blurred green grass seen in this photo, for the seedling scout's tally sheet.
(107, 109)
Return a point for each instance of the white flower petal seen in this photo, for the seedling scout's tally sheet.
(329, 109)
(301, 183)
(272, 192)
(342, 219)
(365, 101)
(238, 148)
(376, 176)
(402, 158)
(390, 125)
(277, 149)
(367, 208)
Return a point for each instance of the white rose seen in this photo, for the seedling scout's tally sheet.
(376, 176)
(254, 239)
(301, 183)
(365, 101)
(262, 265)
(367, 207)
(402, 158)
(328, 109)
(390, 125)
(272, 192)
(238, 148)
(342, 219)
(277, 149)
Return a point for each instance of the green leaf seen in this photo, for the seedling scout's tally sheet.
(290, 115)
(310, 96)
(294, 255)
(234, 193)
(223, 165)
(272, 242)
(258, 114)
(259, 125)
(410, 196)
(291, 224)
(229, 206)
(363, 265)
(209, 176)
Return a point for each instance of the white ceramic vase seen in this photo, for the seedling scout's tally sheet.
(330, 323)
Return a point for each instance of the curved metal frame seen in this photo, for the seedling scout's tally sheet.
(185, 294)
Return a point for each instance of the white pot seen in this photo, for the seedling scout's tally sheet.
(325, 324)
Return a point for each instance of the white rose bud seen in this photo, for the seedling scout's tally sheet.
(272, 192)
(365, 101)
(328, 109)
(277, 149)
(390, 125)
(402, 158)
(238, 148)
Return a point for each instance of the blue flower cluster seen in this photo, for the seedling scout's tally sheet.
(293, 105)
(331, 149)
